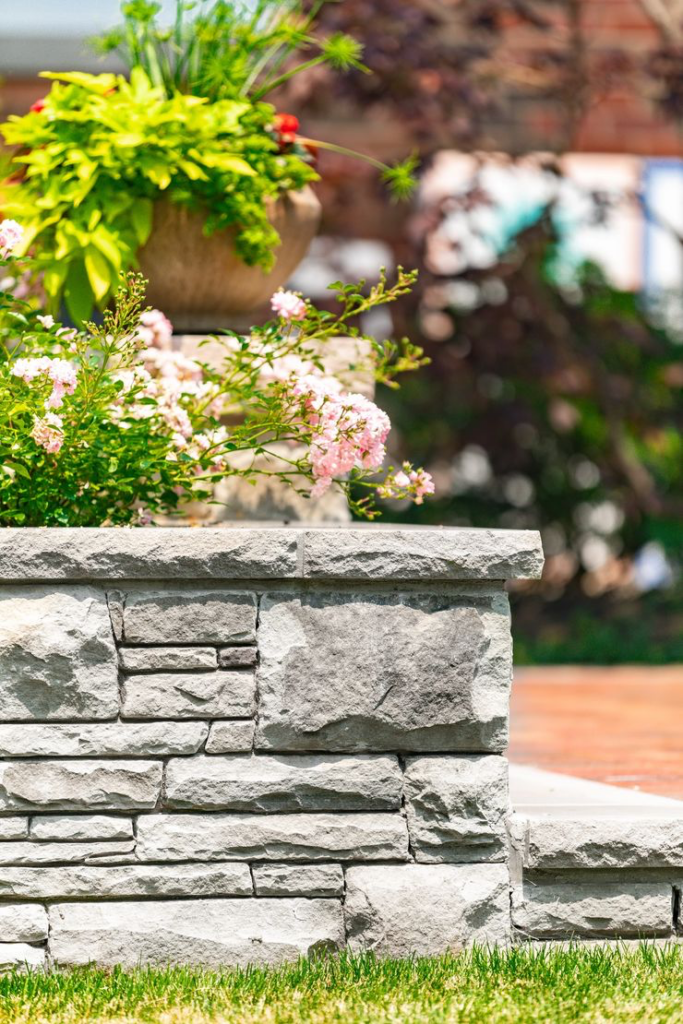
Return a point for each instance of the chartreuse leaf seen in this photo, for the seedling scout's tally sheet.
(100, 84)
(99, 272)
(141, 219)
(78, 295)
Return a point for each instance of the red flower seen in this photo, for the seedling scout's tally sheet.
(286, 126)
(38, 106)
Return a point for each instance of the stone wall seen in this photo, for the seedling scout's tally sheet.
(238, 745)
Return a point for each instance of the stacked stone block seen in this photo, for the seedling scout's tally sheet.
(231, 746)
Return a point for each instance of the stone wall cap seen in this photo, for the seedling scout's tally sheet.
(272, 550)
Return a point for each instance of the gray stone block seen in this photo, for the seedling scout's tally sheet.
(17, 956)
(79, 785)
(271, 783)
(13, 828)
(78, 881)
(298, 879)
(369, 836)
(230, 737)
(21, 853)
(23, 922)
(82, 828)
(167, 659)
(355, 672)
(213, 933)
(456, 807)
(553, 843)
(426, 909)
(187, 695)
(57, 654)
(102, 739)
(593, 909)
(433, 553)
(173, 553)
(238, 657)
(189, 617)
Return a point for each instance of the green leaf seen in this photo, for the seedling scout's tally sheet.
(99, 272)
(78, 294)
(100, 84)
(18, 468)
(141, 218)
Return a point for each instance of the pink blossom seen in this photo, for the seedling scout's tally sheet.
(422, 484)
(29, 369)
(46, 321)
(60, 372)
(288, 305)
(407, 483)
(155, 331)
(67, 333)
(11, 233)
(144, 517)
(48, 432)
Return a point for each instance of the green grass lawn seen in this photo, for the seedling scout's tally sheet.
(643, 985)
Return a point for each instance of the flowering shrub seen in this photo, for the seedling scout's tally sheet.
(111, 425)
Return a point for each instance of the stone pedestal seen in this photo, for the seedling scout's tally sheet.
(234, 745)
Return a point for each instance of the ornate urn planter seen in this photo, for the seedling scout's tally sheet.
(200, 282)
(236, 745)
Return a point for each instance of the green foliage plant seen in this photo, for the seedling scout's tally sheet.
(110, 425)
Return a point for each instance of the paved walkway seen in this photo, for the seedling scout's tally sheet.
(622, 726)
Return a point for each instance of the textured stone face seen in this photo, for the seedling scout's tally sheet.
(20, 956)
(80, 827)
(209, 932)
(456, 807)
(230, 737)
(350, 672)
(13, 828)
(105, 739)
(432, 554)
(272, 837)
(238, 657)
(298, 879)
(426, 909)
(189, 617)
(189, 695)
(79, 785)
(593, 909)
(167, 659)
(600, 842)
(63, 853)
(57, 654)
(77, 880)
(267, 783)
(25, 922)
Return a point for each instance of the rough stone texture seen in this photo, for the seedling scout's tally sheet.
(266, 783)
(210, 932)
(131, 880)
(592, 909)
(272, 837)
(238, 657)
(175, 553)
(456, 807)
(60, 853)
(426, 909)
(429, 553)
(352, 672)
(23, 922)
(606, 842)
(13, 828)
(57, 654)
(167, 659)
(79, 785)
(80, 827)
(17, 955)
(188, 695)
(105, 739)
(298, 880)
(189, 617)
(230, 737)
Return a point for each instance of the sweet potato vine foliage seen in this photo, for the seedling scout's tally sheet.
(112, 425)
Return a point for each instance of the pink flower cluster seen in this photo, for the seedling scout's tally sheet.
(60, 372)
(48, 432)
(407, 483)
(155, 331)
(348, 430)
(11, 233)
(288, 305)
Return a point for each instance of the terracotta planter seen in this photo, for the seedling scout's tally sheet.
(201, 283)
